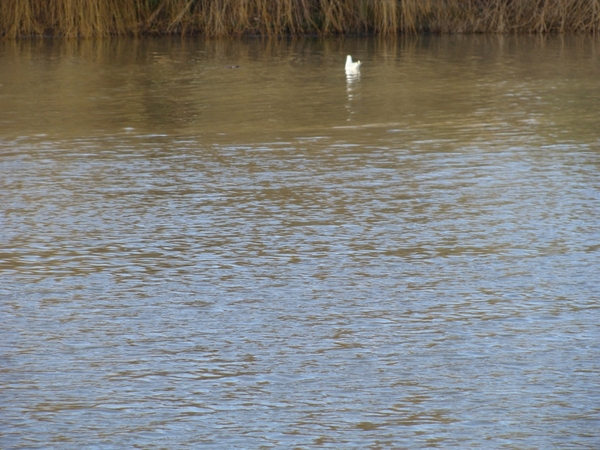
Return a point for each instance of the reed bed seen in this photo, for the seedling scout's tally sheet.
(89, 18)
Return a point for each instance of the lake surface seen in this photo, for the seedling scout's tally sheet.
(230, 244)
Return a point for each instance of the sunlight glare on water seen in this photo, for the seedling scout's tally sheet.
(235, 245)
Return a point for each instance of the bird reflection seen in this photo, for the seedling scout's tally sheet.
(351, 78)
(352, 82)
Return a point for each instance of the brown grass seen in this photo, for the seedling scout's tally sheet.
(90, 18)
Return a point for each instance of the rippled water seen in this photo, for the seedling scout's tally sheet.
(275, 256)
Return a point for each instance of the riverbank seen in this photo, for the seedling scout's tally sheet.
(222, 18)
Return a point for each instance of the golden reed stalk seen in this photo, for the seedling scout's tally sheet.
(89, 18)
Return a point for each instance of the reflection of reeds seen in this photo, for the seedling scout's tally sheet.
(88, 18)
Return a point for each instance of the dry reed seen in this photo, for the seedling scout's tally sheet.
(89, 18)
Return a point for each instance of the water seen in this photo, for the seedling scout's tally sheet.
(276, 256)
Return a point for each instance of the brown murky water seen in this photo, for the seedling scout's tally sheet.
(277, 256)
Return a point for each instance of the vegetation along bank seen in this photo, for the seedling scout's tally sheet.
(219, 18)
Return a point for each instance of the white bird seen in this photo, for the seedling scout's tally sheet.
(352, 67)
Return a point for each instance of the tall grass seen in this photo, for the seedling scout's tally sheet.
(88, 18)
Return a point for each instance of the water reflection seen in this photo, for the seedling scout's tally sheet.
(198, 255)
(352, 79)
